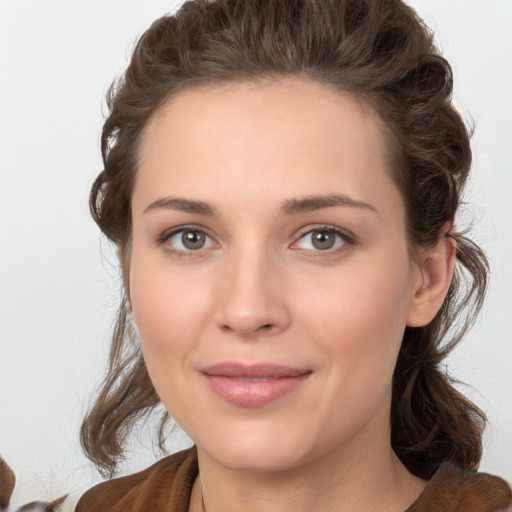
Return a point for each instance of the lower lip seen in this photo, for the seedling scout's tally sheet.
(251, 393)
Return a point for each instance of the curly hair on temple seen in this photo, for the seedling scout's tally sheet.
(377, 50)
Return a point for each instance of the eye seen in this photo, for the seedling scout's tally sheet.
(186, 240)
(323, 239)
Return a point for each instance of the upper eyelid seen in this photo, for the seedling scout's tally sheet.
(167, 233)
(164, 238)
(325, 227)
(347, 237)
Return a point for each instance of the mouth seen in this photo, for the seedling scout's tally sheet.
(253, 385)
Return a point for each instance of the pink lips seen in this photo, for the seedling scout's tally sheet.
(253, 385)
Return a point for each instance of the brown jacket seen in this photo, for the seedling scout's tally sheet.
(166, 487)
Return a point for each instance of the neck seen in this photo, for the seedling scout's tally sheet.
(357, 480)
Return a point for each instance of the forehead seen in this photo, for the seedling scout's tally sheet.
(312, 109)
(286, 135)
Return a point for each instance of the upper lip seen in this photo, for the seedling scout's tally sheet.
(254, 371)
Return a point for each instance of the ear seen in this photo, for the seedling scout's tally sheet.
(436, 267)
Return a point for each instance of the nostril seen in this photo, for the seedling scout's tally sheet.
(248, 330)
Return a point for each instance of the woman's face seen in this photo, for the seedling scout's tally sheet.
(270, 278)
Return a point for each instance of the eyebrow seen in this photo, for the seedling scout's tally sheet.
(311, 203)
(183, 205)
(289, 207)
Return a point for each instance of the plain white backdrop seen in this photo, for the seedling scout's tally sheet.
(58, 280)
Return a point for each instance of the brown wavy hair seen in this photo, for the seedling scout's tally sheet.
(378, 50)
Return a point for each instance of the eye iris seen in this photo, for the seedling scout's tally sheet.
(193, 239)
(323, 239)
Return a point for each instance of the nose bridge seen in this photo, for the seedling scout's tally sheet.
(251, 299)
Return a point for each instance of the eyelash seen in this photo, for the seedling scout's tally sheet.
(346, 237)
(166, 236)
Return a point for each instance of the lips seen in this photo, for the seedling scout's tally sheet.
(253, 385)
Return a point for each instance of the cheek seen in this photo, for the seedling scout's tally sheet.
(358, 318)
(167, 323)
(166, 310)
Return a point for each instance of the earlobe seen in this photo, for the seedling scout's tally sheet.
(436, 268)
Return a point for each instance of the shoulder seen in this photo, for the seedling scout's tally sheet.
(166, 485)
(452, 489)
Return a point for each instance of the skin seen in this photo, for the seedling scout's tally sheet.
(259, 290)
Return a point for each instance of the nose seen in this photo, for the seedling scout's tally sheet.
(251, 298)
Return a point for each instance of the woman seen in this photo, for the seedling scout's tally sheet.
(281, 179)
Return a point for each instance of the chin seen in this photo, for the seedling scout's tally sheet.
(255, 447)
(256, 458)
